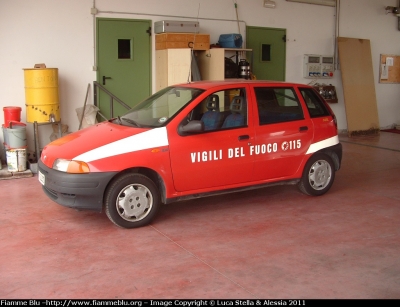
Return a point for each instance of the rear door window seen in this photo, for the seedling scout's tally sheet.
(315, 105)
(276, 105)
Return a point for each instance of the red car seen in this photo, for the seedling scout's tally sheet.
(194, 140)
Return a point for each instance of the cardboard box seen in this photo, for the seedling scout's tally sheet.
(182, 40)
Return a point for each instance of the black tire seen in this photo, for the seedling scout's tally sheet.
(318, 175)
(132, 200)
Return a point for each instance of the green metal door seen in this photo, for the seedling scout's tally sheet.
(123, 62)
(269, 52)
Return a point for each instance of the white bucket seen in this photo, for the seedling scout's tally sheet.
(15, 137)
(16, 160)
(1, 155)
(5, 135)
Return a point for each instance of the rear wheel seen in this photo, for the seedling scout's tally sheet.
(318, 175)
(132, 200)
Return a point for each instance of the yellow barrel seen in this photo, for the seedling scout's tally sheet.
(41, 95)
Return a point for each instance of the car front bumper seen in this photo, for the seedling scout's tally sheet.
(79, 191)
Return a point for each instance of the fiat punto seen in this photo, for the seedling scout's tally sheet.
(194, 140)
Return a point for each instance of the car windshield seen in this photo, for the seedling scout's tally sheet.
(158, 109)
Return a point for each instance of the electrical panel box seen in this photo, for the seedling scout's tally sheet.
(328, 92)
(318, 66)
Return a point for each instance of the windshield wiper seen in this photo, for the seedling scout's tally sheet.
(131, 121)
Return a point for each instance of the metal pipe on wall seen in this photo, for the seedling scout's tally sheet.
(172, 16)
(94, 38)
(337, 26)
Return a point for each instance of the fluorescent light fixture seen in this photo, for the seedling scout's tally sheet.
(319, 2)
(269, 4)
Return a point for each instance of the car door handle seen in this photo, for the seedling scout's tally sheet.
(303, 128)
(104, 79)
(243, 137)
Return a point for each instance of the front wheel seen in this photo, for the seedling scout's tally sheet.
(132, 200)
(318, 175)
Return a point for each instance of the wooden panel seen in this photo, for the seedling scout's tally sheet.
(172, 67)
(358, 86)
(182, 40)
(393, 72)
(161, 69)
(212, 64)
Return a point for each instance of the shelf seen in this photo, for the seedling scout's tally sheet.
(234, 49)
(212, 62)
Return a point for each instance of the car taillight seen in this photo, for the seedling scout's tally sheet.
(334, 119)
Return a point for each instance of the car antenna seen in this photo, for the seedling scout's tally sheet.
(192, 57)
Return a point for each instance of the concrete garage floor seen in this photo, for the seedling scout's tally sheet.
(268, 243)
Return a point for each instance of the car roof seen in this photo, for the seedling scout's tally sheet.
(210, 84)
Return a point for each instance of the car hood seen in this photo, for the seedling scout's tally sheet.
(102, 140)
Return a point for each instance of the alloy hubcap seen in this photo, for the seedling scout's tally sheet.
(134, 202)
(320, 175)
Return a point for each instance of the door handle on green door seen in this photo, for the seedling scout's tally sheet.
(104, 79)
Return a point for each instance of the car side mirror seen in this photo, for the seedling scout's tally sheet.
(194, 126)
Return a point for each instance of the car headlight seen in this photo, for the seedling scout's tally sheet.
(71, 166)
